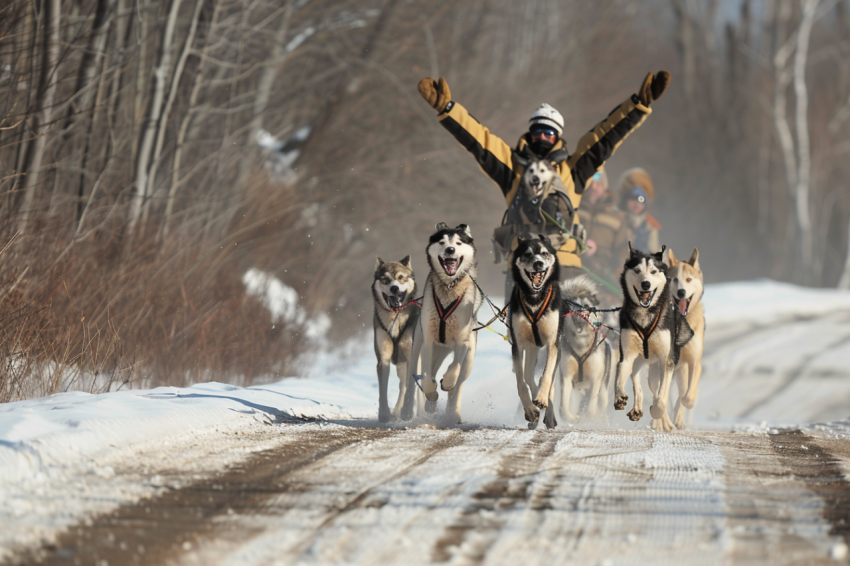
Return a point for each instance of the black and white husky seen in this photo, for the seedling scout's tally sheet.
(536, 323)
(652, 331)
(451, 300)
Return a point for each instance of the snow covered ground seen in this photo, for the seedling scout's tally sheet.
(776, 354)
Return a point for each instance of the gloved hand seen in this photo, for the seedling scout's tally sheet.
(653, 87)
(437, 94)
(579, 233)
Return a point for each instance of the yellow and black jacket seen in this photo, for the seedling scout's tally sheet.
(593, 149)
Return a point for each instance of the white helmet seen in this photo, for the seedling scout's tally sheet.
(549, 116)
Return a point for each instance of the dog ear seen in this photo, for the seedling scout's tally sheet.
(465, 229)
(545, 238)
(659, 256)
(671, 258)
(378, 263)
(405, 261)
(694, 261)
(632, 251)
(441, 226)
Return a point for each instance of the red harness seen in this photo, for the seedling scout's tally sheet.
(534, 319)
(444, 313)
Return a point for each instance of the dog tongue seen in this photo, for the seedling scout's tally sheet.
(538, 278)
(450, 266)
(683, 306)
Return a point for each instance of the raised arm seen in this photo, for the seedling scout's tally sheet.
(600, 143)
(490, 151)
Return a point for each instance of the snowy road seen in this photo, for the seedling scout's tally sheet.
(215, 474)
(329, 494)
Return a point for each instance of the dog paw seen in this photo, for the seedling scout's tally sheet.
(656, 411)
(635, 414)
(549, 420)
(620, 402)
(430, 406)
(541, 404)
(406, 413)
(450, 377)
(532, 415)
(384, 414)
(656, 425)
(680, 422)
(668, 424)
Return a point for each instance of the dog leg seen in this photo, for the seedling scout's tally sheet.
(624, 370)
(532, 413)
(550, 420)
(453, 405)
(691, 397)
(453, 372)
(681, 375)
(659, 405)
(429, 384)
(637, 410)
(415, 367)
(568, 369)
(592, 370)
(401, 372)
(383, 382)
(546, 380)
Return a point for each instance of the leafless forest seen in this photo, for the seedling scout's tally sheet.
(151, 151)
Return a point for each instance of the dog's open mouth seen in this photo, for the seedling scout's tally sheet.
(645, 297)
(537, 279)
(536, 190)
(450, 265)
(684, 306)
(394, 301)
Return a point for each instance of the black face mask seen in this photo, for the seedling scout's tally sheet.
(541, 148)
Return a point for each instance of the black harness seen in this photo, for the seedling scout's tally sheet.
(645, 333)
(444, 313)
(535, 318)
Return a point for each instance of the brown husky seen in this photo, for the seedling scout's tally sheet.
(687, 288)
(396, 315)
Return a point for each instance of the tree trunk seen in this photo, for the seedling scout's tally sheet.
(143, 157)
(801, 191)
(49, 81)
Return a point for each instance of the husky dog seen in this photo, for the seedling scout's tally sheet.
(687, 287)
(536, 323)
(651, 331)
(396, 315)
(585, 355)
(540, 175)
(450, 302)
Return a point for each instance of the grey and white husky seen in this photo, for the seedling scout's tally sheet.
(652, 331)
(585, 353)
(536, 324)
(450, 302)
(396, 315)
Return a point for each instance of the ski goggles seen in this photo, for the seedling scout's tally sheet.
(543, 129)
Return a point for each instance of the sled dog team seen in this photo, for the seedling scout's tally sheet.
(661, 325)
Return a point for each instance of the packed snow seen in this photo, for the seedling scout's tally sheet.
(776, 354)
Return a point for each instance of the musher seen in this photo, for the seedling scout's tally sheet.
(543, 137)
(636, 192)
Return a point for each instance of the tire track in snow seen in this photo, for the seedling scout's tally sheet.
(158, 530)
(822, 473)
(486, 514)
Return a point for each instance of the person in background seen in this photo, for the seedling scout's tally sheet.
(636, 192)
(607, 234)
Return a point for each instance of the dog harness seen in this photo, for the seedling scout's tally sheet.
(645, 334)
(444, 313)
(535, 318)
